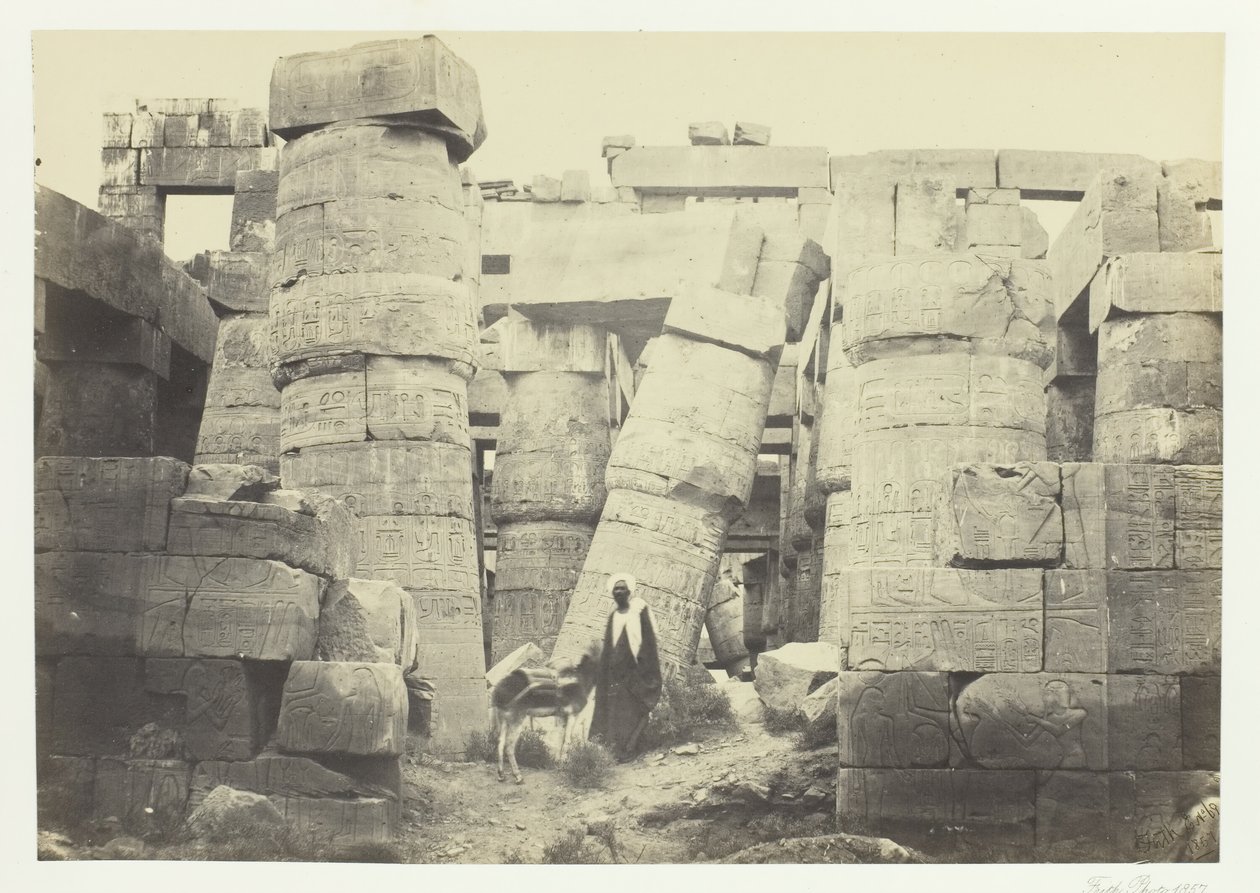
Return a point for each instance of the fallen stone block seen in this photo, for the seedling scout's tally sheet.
(787, 676)
(819, 709)
(230, 481)
(79, 501)
(749, 134)
(349, 708)
(293, 776)
(545, 189)
(225, 810)
(746, 704)
(751, 325)
(418, 82)
(367, 620)
(343, 822)
(708, 133)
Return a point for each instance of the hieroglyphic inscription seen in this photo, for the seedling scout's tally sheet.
(199, 166)
(898, 485)
(420, 552)
(336, 707)
(1164, 621)
(1198, 495)
(1118, 516)
(233, 386)
(1076, 621)
(226, 607)
(1144, 722)
(893, 719)
(537, 565)
(413, 478)
(415, 398)
(1174, 436)
(221, 715)
(1033, 721)
(78, 502)
(945, 619)
(323, 409)
(1004, 513)
(533, 487)
(344, 822)
(378, 313)
(239, 431)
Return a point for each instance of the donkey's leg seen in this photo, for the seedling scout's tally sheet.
(500, 726)
(513, 736)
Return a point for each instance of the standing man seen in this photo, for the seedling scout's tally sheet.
(629, 671)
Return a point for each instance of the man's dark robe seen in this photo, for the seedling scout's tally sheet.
(628, 688)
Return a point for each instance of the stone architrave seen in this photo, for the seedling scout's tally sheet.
(343, 708)
(943, 619)
(226, 607)
(1181, 282)
(894, 720)
(78, 502)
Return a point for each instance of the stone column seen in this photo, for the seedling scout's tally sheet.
(375, 335)
(241, 420)
(683, 466)
(548, 487)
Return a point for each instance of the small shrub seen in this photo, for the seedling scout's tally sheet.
(587, 764)
(532, 751)
(688, 708)
(780, 721)
(376, 851)
(571, 848)
(515, 857)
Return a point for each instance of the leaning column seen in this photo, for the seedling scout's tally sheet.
(374, 331)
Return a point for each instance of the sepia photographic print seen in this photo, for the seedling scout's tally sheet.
(480, 444)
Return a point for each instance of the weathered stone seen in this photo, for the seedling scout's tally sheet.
(423, 553)
(224, 810)
(321, 543)
(388, 477)
(834, 431)
(819, 711)
(1201, 722)
(98, 702)
(1004, 303)
(619, 141)
(545, 189)
(351, 708)
(1184, 224)
(226, 607)
(379, 613)
(416, 398)
(943, 619)
(708, 133)
(1031, 721)
(745, 703)
(1003, 514)
(575, 186)
(189, 167)
(229, 481)
(360, 161)
(551, 347)
(1070, 419)
(965, 167)
(98, 409)
(749, 134)
(748, 324)
(241, 416)
(344, 822)
(85, 603)
(895, 720)
(721, 170)
(141, 209)
(1171, 436)
(146, 795)
(223, 706)
(1076, 621)
(324, 409)
(147, 129)
(1198, 494)
(787, 675)
(993, 806)
(384, 314)
(419, 82)
(1159, 360)
(179, 131)
(1144, 722)
(290, 776)
(1156, 283)
(897, 483)
(724, 626)
(79, 250)
(992, 223)
(1116, 216)
(78, 503)
(238, 281)
(924, 216)
(254, 211)
(1033, 239)
(1164, 622)
(1041, 175)
(1118, 516)
(1084, 815)
(537, 567)
(1176, 818)
(64, 789)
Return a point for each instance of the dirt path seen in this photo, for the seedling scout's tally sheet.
(654, 805)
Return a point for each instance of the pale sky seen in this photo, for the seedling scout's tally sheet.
(549, 98)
